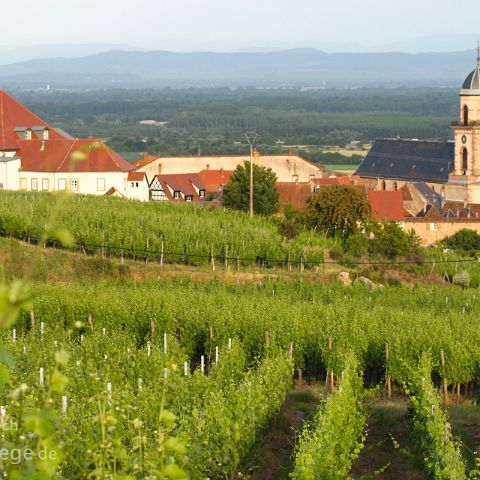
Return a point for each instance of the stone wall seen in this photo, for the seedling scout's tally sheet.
(432, 231)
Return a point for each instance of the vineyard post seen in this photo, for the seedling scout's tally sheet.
(216, 354)
(459, 393)
(229, 343)
(267, 339)
(165, 343)
(41, 377)
(90, 321)
(226, 258)
(300, 377)
(330, 346)
(388, 379)
(109, 394)
(146, 253)
(238, 263)
(64, 405)
(161, 255)
(289, 265)
(202, 364)
(42, 328)
(213, 260)
(185, 369)
(121, 257)
(444, 381)
(152, 327)
(32, 320)
(14, 335)
(149, 348)
(290, 350)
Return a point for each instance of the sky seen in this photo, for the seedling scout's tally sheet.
(226, 25)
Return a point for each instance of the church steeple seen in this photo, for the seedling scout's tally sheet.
(464, 181)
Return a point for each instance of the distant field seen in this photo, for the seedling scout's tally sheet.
(349, 152)
(341, 168)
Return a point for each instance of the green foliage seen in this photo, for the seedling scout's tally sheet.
(465, 239)
(385, 239)
(265, 194)
(440, 453)
(327, 448)
(187, 232)
(338, 210)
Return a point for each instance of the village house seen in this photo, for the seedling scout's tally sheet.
(288, 167)
(34, 156)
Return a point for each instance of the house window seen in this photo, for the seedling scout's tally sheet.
(62, 183)
(383, 185)
(433, 226)
(132, 184)
(176, 194)
(201, 194)
(136, 184)
(74, 184)
(395, 186)
(45, 184)
(465, 115)
(28, 135)
(188, 198)
(100, 184)
(1, 186)
(295, 178)
(34, 183)
(23, 184)
(46, 134)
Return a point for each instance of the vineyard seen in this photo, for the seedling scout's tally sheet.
(161, 380)
(159, 231)
(128, 377)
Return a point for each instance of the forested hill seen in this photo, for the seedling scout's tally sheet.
(304, 67)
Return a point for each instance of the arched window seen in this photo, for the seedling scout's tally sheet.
(465, 115)
(395, 186)
(433, 187)
(383, 185)
(464, 161)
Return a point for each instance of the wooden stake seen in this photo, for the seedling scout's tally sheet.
(300, 377)
(444, 382)
(32, 320)
(213, 260)
(152, 327)
(388, 379)
(290, 350)
(90, 321)
(331, 377)
(267, 339)
(459, 393)
(161, 255)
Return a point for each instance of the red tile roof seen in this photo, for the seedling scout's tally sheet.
(387, 204)
(58, 153)
(136, 176)
(66, 155)
(214, 180)
(295, 194)
(181, 182)
(12, 115)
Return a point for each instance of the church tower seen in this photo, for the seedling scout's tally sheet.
(464, 181)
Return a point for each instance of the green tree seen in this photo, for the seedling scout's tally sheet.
(338, 210)
(465, 239)
(265, 193)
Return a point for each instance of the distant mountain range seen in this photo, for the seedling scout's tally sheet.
(296, 67)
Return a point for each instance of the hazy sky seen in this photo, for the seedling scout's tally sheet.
(227, 25)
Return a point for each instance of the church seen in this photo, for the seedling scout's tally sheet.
(450, 169)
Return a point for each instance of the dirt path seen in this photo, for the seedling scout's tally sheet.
(389, 449)
(272, 458)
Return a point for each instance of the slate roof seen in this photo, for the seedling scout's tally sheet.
(410, 160)
(433, 198)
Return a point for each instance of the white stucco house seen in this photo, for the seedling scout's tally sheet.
(34, 156)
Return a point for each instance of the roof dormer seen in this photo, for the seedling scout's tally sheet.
(42, 133)
(25, 133)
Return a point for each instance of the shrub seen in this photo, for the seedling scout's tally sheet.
(465, 239)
